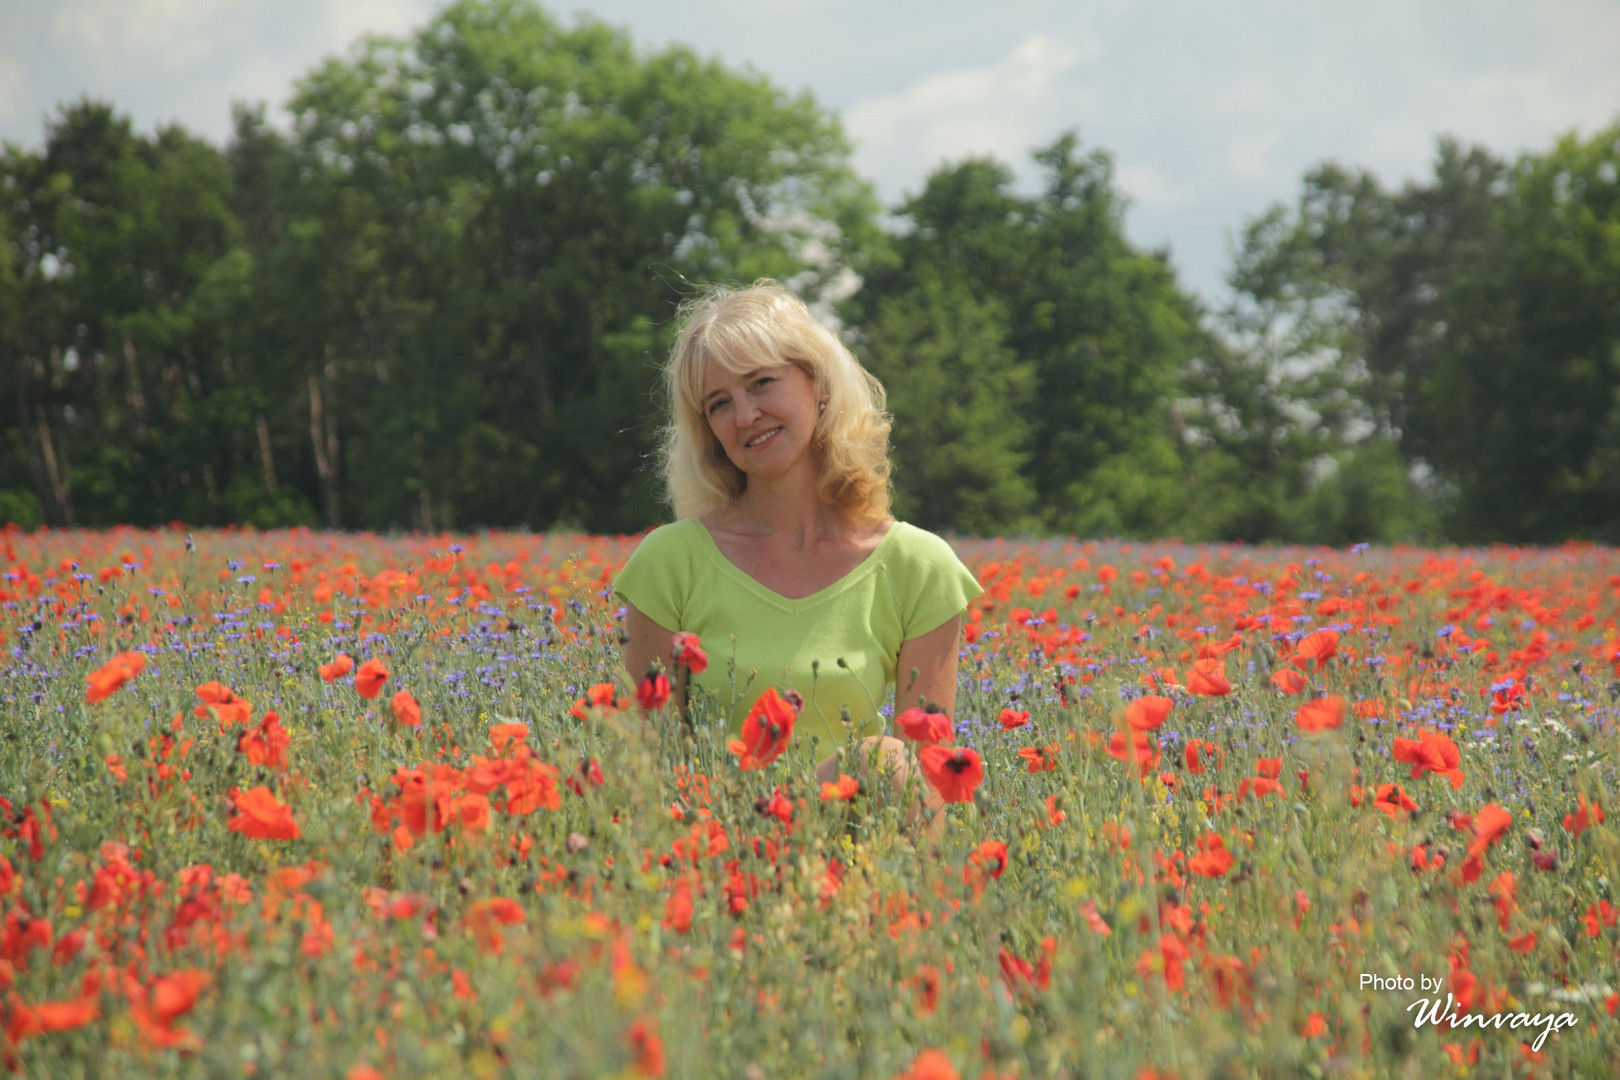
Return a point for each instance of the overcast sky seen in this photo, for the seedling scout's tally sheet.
(1212, 111)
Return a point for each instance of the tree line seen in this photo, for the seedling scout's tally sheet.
(439, 300)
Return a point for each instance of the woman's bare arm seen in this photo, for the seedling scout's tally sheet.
(648, 642)
(926, 669)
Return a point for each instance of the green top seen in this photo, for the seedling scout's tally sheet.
(911, 583)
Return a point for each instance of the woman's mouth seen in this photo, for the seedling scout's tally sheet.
(760, 440)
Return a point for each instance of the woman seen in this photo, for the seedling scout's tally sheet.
(783, 557)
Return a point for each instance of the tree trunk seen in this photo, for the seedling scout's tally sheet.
(56, 479)
(136, 397)
(323, 438)
(266, 455)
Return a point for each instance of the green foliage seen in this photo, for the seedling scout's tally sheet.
(441, 299)
(1099, 330)
(1473, 320)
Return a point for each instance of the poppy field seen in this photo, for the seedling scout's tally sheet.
(352, 806)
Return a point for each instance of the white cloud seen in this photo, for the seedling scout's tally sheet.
(1002, 109)
(1249, 153)
(176, 32)
(1149, 188)
(347, 21)
(12, 78)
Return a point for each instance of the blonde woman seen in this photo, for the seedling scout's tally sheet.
(783, 553)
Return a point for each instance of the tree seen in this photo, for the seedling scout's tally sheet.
(1100, 329)
(495, 221)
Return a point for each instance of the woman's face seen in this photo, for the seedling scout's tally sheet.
(765, 418)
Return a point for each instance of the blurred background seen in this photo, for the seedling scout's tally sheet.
(1334, 273)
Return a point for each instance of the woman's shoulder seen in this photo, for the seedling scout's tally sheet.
(912, 543)
(685, 534)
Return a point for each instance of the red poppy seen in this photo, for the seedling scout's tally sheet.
(1212, 859)
(599, 696)
(953, 772)
(1321, 714)
(1316, 649)
(267, 743)
(1289, 681)
(1393, 800)
(1208, 678)
(107, 679)
(368, 682)
(1199, 749)
(653, 691)
(261, 816)
(686, 650)
(406, 710)
(926, 726)
(990, 857)
(1490, 824)
(843, 789)
(1143, 748)
(765, 732)
(1040, 759)
(1584, 816)
(340, 666)
(1430, 752)
(1013, 718)
(932, 1064)
(1148, 712)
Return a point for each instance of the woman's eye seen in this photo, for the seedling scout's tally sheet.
(713, 408)
(764, 381)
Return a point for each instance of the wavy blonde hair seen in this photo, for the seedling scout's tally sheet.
(760, 326)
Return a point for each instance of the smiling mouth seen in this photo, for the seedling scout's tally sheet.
(761, 440)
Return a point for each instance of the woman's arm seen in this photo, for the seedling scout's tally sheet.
(648, 642)
(926, 669)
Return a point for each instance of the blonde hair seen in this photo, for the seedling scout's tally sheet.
(760, 326)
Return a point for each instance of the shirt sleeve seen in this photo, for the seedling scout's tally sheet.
(931, 585)
(657, 578)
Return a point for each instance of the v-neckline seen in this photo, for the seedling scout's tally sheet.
(859, 570)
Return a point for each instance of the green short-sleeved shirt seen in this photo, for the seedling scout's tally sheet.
(911, 583)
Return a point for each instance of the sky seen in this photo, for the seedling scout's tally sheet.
(1211, 112)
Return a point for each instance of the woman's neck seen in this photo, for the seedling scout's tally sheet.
(788, 508)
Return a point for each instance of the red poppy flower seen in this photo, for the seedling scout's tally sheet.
(1208, 678)
(1212, 859)
(1143, 748)
(1013, 718)
(1321, 714)
(262, 816)
(1040, 759)
(106, 680)
(406, 710)
(686, 651)
(340, 666)
(1490, 824)
(931, 1064)
(843, 789)
(368, 682)
(1393, 800)
(765, 732)
(1148, 712)
(1430, 752)
(1584, 816)
(599, 696)
(1316, 649)
(1198, 750)
(953, 772)
(653, 691)
(926, 726)
(1289, 681)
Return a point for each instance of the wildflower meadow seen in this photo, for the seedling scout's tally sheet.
(350, 806)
